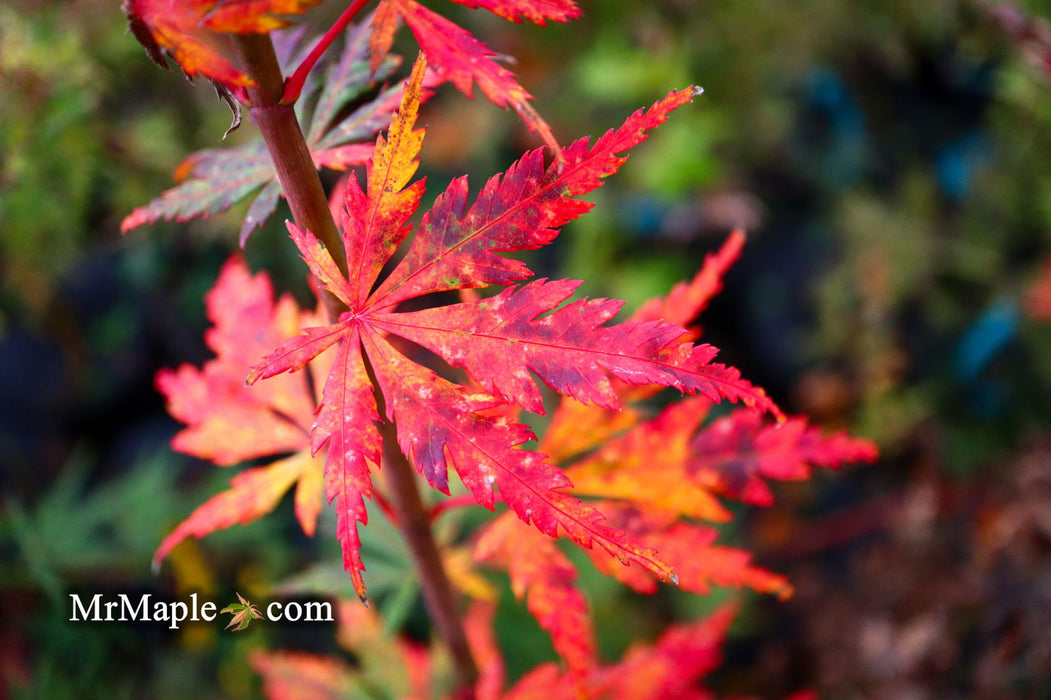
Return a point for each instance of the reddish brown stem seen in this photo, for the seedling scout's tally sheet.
(306, 197)
(438, 594)
(288, 149)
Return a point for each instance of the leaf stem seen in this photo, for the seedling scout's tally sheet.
(293, 87)
(448, 504)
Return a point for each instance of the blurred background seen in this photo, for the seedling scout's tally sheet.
(891, 162)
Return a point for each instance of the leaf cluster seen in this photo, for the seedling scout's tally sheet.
(338, 400)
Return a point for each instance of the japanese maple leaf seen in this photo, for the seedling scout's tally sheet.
(645, 468)
(190, 31)
(536, 11)
(690, 548)
(213, 180)
(665, 472)
(669, 470)
(462, 59)
(737, 452)
(228, 422)
(575, 427)
(687, 300)
(241, 613)
(669, 669)
(498, 340)
(546, 578)
(671, 464)
(646, 465)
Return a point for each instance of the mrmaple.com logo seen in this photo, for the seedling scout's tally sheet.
(142, 608)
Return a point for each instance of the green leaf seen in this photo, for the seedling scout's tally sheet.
(243, 613)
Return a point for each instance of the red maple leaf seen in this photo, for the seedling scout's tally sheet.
(691, 549)
(735, 453)
(498, 340)
(575, 427)
(536, 11)
(665, 472)
(462, 59)
(669, 669)
(228, 422)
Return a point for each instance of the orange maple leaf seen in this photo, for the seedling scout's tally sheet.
(190, 31)
(542, 575)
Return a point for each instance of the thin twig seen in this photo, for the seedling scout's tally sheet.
(293, 87)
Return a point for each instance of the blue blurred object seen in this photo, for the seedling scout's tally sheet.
(957, 160)
(642, 215)
(842, 159)
(985, 338)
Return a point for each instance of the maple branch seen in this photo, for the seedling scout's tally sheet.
(293, 87)
(288, 148)
(414, 520)
(415, 524)
(302, 188)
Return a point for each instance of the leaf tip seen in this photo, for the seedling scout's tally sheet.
(133, 220)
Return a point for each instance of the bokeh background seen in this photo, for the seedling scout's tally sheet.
(892, 163)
